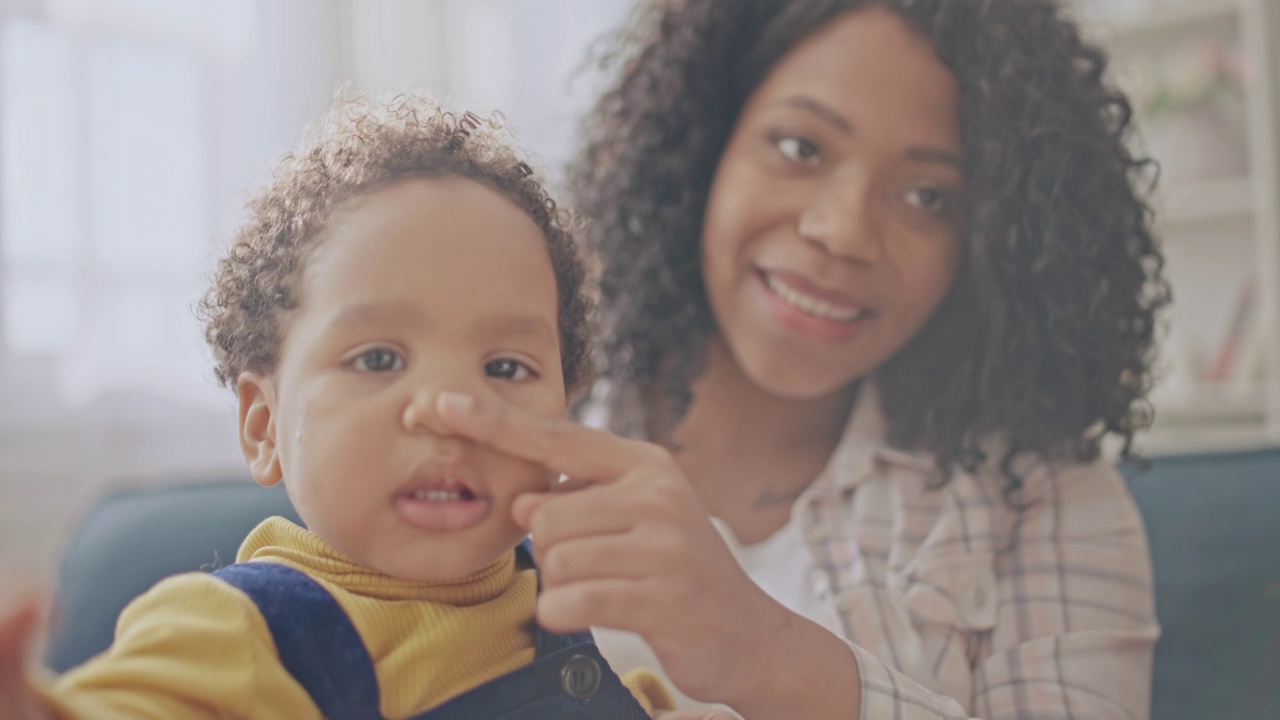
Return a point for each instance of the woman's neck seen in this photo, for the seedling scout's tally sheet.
(748, 451)
(724, 397)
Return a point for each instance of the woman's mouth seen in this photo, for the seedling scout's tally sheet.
(811, 304)
(803, 308)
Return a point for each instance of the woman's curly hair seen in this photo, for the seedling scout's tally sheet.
(358, 148)
(1045, 342)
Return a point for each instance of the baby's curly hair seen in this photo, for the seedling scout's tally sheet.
(358, 147)
(1046, 341)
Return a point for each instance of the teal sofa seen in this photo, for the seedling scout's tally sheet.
(1213, 521)
(133, 538)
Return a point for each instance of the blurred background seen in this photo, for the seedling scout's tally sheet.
(131, 131)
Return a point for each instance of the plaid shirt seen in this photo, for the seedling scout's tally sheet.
(957, 604)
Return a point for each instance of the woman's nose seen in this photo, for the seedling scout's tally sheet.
(842, 220)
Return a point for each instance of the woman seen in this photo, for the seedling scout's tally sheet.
(878, 281)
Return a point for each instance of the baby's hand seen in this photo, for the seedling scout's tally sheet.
(18, 700)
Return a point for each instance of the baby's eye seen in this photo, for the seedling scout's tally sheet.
(508, 369)
(797, 149)
(930, 199)
(379, 360)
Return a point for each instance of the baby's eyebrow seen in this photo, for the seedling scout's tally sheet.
(529, 326)
(356, 316)
(534, 327)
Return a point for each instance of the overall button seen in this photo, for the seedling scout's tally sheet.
(580, 677)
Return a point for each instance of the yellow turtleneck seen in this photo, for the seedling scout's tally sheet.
(196, 647)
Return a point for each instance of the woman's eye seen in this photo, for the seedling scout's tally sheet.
(797, 149)
(929, 199)
(508, 369)
(379, 360)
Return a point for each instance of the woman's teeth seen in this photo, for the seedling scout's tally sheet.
(809, 304)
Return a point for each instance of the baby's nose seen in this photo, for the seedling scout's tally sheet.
(420, 413)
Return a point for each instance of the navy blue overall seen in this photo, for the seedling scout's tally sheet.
(318, 645)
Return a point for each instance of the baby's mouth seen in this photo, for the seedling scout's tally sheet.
(443, 491)
(441, 504)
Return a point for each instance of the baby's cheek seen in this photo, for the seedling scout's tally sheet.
(512, 477)
(538, 478)
(545, 397)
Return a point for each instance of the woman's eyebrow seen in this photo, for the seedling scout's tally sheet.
(936, 155)
(820, 110)
(837, 120)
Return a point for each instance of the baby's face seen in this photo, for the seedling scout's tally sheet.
(423, 286)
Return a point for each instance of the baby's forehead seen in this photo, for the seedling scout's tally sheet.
(440, 205)
(438, 245)
(438, 208)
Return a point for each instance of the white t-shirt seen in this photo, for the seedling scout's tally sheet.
(779, 564)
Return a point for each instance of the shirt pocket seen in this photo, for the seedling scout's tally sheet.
(956, 589)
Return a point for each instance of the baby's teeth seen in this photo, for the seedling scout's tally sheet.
(437, 495)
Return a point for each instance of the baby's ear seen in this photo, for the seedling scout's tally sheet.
(258, 428)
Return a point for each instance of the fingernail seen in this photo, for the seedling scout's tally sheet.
(459, 402)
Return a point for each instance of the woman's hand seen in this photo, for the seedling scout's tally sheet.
(633, 550)
(18, 701)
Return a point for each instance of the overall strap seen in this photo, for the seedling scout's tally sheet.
(316, 641)
(547, 643)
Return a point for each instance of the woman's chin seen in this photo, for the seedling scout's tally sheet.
(799, 384)
(785, 371)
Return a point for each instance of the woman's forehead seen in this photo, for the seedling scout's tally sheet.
(867, 61)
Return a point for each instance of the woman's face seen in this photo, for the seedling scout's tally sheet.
(831, 229)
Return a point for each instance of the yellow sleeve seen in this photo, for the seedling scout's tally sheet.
(191, 647)
(649, 690)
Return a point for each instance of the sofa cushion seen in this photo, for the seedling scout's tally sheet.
(1213, 521)
(131, 539)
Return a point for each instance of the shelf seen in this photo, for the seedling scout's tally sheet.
(1208, 419)
(1162, 24)
(1204, 201)
(1223, 212)
(1203, 438)
(1212, 406)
